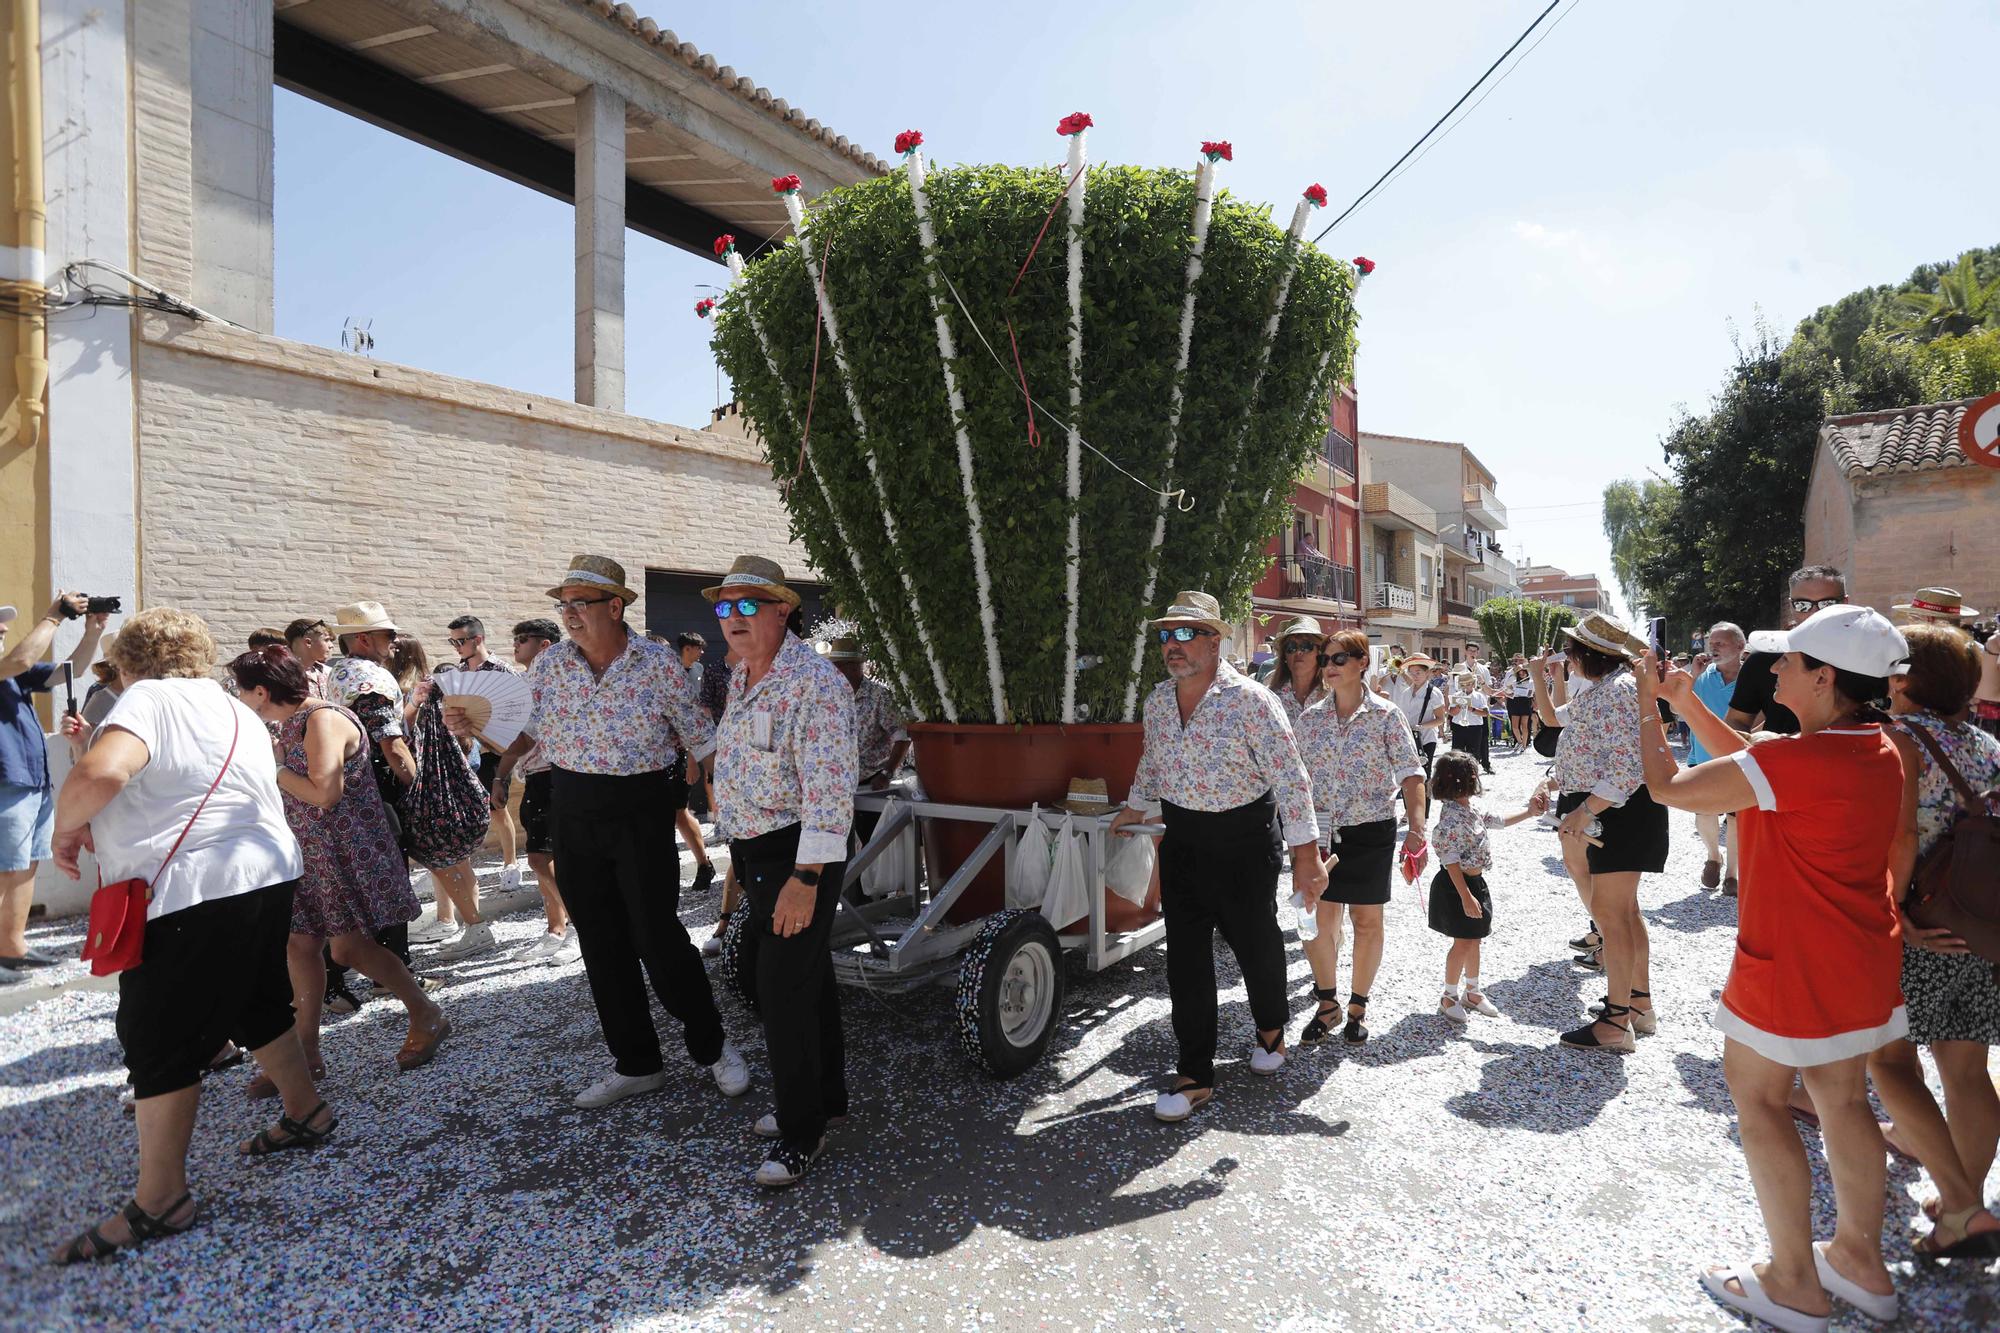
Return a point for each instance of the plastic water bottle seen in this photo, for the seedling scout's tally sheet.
(1308, 917)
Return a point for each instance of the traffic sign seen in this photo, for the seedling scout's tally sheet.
(1979, 431)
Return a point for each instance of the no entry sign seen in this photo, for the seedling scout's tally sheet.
(1979, 432)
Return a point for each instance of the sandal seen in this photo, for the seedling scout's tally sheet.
(1753, 1301)
(144, 1226)
(1951, 1239)
(298, 1134)
(1586, 1038)
(1318, 1029)
(1644, 1021)
(1187, 1097)
(1355, 1033)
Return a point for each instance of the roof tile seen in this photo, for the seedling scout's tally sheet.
(1900, 439)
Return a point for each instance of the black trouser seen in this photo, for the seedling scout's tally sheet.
(621, 880)
(795, 988)
(1473, 740)
(1427, 751)
(1219, 872)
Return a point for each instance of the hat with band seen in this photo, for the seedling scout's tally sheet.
(1195, 608)
(1305, 627)
(595, 571)
(1936, 604)
(753, 574)
(1854, 638)
(361, 618)
(1606, 635)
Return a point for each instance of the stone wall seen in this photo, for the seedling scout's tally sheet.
(279, 479)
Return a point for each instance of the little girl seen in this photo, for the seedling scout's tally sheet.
(1461, 907)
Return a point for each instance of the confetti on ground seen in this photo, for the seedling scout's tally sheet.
(1436, 1178)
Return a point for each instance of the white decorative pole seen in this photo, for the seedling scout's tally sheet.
(734, 259)
(909, 144)
(1204, 209)
(788, 189)
(1073, 557)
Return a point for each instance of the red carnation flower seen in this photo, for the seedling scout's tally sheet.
(908, 140)
(1316, 195)
(1074, 123)
(724, 244)
(1217, 149)
(702, 307)
(1365, 264)
(785, 184)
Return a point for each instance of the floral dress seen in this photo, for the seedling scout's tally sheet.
(354, 877)
(1950, 997)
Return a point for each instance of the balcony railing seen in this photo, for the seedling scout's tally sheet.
(1314, 576)
(1452, 608)
(1482, 504)
(1340, 452)
(1392, 597)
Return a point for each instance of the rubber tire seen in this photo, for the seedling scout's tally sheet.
(738, 959)
(980, 974)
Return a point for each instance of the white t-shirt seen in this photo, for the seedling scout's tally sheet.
(1469, 708)
(1418, 706)
(240, 843)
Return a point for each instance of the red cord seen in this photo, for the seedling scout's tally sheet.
(812, 390)
(1013, 343)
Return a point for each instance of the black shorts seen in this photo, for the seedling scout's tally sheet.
(1634, 836)
(1519, 707)
(677, 783)
(489, 767)
(211, 973)
(535, 813)
(1447, 913)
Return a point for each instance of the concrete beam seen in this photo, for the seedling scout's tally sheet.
(600, 249)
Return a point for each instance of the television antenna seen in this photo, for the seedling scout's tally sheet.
(357, 337)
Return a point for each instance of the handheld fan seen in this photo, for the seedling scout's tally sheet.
(497, 704)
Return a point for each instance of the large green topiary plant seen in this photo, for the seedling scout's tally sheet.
(854, 399)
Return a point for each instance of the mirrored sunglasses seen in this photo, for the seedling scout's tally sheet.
(741, 606)
(1184, 633)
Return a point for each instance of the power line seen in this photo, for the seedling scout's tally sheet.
(1363, 197)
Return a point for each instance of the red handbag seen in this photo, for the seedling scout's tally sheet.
(117, 934)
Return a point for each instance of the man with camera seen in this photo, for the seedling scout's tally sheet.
(27, 796)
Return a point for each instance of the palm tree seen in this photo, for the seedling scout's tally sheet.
(1960, 304)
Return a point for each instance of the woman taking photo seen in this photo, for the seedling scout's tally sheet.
(1829, 828)
(354, 884)
(179, 788)
(1607, 810)
(1359, 750)
(1296, 679)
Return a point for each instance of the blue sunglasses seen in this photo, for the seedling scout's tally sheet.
(742, 606)
(1184, 633)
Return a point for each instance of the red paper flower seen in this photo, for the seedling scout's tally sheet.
(724, 244)
(785, 184)
(1218, 149)
(702, 307)
(908, 140)
(1076, 122)
(1365, 264)
(1316, 195)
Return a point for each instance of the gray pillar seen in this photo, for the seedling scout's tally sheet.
(230, 70)
(600, 249)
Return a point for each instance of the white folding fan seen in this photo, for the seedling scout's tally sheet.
(497, 704)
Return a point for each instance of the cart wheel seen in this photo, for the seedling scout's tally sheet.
(739, 957)
(1010, 985)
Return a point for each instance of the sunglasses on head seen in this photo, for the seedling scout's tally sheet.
(742, 606)
(1805, 606)
(1184, 633)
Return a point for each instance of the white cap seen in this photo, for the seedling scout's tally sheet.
(1853, 638)
(7, 614)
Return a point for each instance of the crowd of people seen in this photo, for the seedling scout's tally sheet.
(277, 821)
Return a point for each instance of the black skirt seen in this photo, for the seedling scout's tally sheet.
(1519, 707)
(1634, 837)
(1367, 855)
(1448, 913)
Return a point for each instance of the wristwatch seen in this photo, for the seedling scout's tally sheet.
(809, 878)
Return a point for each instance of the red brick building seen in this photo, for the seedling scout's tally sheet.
(1546, 583)
(1315, 563)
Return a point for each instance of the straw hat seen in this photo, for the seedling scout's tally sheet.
(753, 573)
(1420, 659)
(1606, 635)
(1305, 627)
(595, 571)
(1941, 605)
(1088, 796)
(842, 649)
(360, 618)
(1195, 608)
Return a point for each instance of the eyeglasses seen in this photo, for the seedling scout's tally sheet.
(575, 604)
(1293, 646)
(742, 606)
(1184, 633)
(460, 643)
(1805, 606)
(1342, 659)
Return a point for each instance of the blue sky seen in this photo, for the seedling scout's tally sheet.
(1555, 277)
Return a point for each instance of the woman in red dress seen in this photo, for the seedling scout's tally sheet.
(1828, 825)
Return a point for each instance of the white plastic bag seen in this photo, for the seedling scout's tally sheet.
(1028, 873)
(1129, 872)
(880, 879)
(1067, 901)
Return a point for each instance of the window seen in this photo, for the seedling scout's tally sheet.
(1569, 599)
(1424, 573)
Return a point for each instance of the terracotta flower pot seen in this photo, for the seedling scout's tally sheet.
(1015, 767)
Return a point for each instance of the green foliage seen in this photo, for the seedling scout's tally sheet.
(1961, 302)
(1637, 519)
(1235, 454)
(1893, 372)
(1511, 625)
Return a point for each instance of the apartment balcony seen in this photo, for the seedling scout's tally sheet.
(1319, 579)
(1483, 506)
(1392, 597)
(1495, 570)
(1463, 609)
(1463, 544)
(1390, 506)
(1341, 454)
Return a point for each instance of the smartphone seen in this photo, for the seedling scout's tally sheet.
(69, 690)
(1656, 635)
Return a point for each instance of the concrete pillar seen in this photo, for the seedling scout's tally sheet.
(230, 68)
(600, 249)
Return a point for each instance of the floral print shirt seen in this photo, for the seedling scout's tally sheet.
(368, 690)
(786, 753)
(877, 727)
(1235, 746)
(1289, 697)
(1598, 751)
(622, 723)
(1357, 764)
(1459, 836)
(1971, 751)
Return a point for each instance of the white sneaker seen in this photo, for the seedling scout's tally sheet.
(1480, 1005)
(471, 940)
(1266, 1062)
(731, 1074)
(1452, 1009)
(786, 1165)
(618, 1087)
(568, 951)
(510, 878)
(767, 1126)
(540, 949)
(432, 931)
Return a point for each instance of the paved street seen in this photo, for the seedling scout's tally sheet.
(1436, 1178)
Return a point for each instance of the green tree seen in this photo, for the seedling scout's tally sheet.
(1512, 625)
(1639, 518)
(1962, 301)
